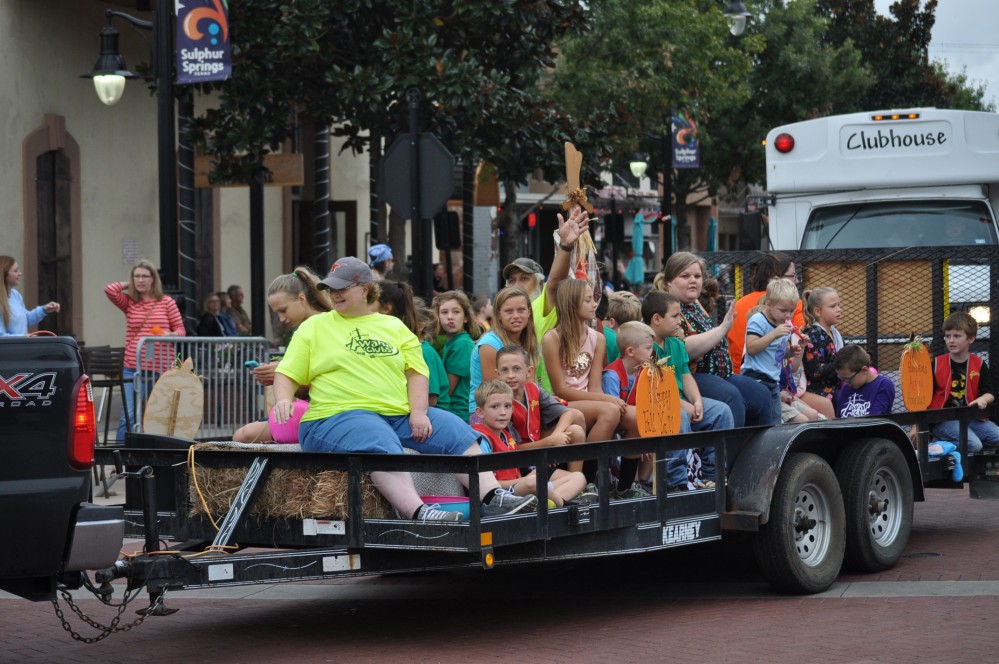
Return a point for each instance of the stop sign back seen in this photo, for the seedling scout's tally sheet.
(436, 175)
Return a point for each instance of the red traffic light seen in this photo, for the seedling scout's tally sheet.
(532, 219)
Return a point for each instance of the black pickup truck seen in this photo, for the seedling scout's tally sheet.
(50, 531)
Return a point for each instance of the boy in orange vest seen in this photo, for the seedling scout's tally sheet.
(539, 419)
(494, 407)
(962, 378)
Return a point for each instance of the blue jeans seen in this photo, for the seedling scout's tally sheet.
(365, 431)
(749, 401)
(129, 405)
(716, 416)
(773, 388)
(980, 432)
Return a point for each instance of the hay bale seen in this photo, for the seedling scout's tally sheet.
(287, 493)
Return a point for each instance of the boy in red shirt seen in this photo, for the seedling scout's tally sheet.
(494, 405)
(962, 378)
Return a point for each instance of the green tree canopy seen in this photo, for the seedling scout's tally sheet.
(350, 62)
(896, 50)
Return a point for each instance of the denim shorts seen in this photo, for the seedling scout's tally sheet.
(365, 431)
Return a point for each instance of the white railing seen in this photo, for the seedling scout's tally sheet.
(232, 397)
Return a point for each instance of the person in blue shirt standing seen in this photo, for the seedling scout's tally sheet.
(14, 317)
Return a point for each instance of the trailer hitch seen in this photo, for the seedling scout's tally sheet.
(150, 527)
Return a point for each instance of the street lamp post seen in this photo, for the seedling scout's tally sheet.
(109, 75)
(177, 268)
(737, 16)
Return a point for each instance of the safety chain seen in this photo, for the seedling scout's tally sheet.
(107, 630)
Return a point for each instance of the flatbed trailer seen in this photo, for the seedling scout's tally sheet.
(814, 497)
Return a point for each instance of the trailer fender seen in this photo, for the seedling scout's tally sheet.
(754, 470)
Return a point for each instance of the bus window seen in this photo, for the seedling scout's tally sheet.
(896, 224)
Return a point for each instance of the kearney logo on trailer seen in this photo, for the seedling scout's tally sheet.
(681, 532)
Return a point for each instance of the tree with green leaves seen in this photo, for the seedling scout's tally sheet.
(646, 59)
(896, 49)
(349, 63)
(795, 76)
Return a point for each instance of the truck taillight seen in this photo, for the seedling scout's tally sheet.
(83, 426)
(784, 143)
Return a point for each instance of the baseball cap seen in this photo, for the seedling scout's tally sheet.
(345, 272)
(527, 265)
(379, 253)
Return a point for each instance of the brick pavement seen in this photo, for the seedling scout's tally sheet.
(937, 605)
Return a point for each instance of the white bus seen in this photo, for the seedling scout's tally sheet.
(921, 177)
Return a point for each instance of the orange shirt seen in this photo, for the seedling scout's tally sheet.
(737, 333)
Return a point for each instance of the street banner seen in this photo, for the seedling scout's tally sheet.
(686, 147)
(203, 41)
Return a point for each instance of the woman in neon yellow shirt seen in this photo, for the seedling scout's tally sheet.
(368, 392)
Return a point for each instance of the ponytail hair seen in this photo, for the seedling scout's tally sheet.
(302, 281)
(399, 296)
(813, 298)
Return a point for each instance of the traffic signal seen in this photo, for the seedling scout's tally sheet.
(532, 221)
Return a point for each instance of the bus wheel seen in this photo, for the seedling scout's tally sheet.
(877, 495)
(800, 548)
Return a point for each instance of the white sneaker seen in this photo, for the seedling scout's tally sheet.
(431, 513)
(507, 503)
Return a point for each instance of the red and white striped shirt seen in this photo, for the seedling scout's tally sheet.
(140, 318)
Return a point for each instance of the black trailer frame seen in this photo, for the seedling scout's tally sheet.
(355, 546)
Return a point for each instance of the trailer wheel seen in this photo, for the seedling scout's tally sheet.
(877, 495)
(800, 548)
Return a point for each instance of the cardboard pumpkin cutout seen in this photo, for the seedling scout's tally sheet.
(176, 404)
(916, 375)
(657, 400)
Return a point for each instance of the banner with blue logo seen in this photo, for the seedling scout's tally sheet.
(686, 147)
(203, 41)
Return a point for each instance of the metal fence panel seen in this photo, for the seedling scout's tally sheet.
(888, 293)
(232, 397)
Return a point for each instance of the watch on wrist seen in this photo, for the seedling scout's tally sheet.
(565, 247)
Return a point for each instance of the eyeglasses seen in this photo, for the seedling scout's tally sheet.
(793, 276)
(341, 291)
(849, 380)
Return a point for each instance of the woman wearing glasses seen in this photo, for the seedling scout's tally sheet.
(148, 313)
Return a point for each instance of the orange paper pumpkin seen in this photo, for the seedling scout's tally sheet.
(916, 376)
(657, 401)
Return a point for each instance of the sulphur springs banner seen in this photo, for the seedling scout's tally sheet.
(202, 41)
(686, 147)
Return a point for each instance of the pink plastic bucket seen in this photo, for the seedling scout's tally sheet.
(288, 432)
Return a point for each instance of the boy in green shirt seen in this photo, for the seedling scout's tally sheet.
(661, 312)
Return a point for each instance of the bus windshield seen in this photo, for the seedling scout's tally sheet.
(897, 224)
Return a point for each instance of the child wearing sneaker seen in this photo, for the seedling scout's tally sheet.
(494, 403)
(862, 392)
(661, 313)
(962, 378)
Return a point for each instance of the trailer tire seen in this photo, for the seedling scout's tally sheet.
(877, 496)
(800, 548)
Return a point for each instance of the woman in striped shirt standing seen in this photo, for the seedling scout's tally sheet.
(148, 313)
